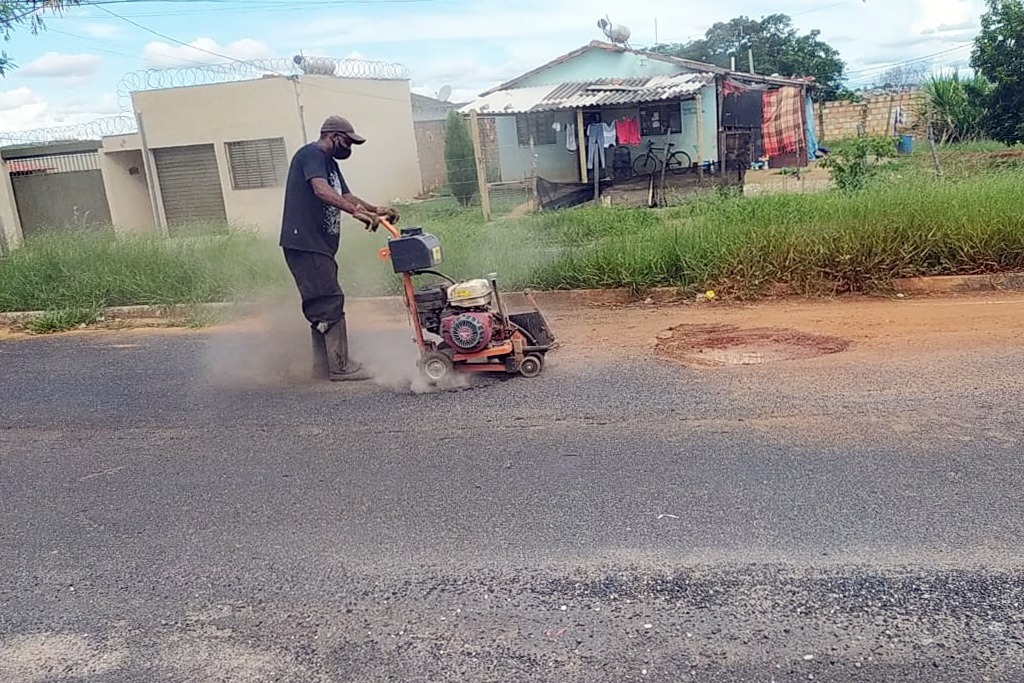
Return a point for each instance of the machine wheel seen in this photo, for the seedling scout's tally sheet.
(437, 367)
(531, 366)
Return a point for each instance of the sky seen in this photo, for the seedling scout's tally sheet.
(71, 73)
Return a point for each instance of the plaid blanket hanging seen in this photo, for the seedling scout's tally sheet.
(783, 123)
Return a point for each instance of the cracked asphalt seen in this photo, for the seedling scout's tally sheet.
(165, 516)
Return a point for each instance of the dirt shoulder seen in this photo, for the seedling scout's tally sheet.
(849, 326)
(854, 326)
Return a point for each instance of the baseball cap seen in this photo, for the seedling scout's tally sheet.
(339, 124)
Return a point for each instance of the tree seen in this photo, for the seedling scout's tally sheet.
(904, 76)
(14, 13)
(998, 55)
(777, 46)
(460, 159)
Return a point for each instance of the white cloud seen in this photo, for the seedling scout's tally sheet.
(24, 109)
(11, 100)
(203, 51)
(57, 65)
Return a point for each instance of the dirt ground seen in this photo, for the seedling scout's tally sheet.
(850, 327)
(716, 333)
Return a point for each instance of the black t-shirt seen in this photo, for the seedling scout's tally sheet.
(308, 223)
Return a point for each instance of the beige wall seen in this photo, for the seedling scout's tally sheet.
(132, 210)
(380, 171)
(9, 221)
(840, 120)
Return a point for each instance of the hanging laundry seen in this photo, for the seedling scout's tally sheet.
(570, 137)
(783, 125)
(628, 131)
(609, 134)
(595, 144)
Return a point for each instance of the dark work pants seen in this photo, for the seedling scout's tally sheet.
(316, 276)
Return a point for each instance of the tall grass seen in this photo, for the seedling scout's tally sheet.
(909, 224)
(87, 270)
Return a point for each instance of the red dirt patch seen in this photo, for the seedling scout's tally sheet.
(718, 345)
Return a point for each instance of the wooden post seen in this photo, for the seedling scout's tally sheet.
(581, 144)
(533, 176)
(481, 172)
(935, 153)
(700, 137)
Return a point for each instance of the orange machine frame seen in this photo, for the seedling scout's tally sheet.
(467, 362)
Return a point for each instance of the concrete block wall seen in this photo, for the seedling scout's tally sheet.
(838, 120)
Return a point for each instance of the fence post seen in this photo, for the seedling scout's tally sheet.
(700, 138)
(935, 153)
(481, 174)
(533, 176)
(581, 144)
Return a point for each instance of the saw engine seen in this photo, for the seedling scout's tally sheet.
(461, 314)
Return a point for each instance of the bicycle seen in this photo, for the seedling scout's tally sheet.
(648, 163)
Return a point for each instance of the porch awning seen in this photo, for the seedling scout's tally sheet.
(605, 92)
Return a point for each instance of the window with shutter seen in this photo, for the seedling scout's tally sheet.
(257, 163)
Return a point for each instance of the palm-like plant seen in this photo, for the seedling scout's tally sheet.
(954, 107)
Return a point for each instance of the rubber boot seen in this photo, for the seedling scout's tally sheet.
(342, 368)
(321, 370)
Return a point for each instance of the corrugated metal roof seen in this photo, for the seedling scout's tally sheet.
(605, 92)
(512, 101)
(613, 92)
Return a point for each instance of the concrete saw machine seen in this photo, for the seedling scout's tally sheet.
(463, 326)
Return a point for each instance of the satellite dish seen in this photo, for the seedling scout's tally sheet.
(617, 33)
(444, 93)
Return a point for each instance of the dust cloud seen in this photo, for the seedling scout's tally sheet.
(272, 348)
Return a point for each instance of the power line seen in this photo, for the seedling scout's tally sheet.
(884, 67)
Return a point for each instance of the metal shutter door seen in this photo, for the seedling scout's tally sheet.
(190, 184)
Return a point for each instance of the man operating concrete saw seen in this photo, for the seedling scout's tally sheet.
(315, 196)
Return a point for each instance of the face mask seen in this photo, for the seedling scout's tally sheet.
(341, 151)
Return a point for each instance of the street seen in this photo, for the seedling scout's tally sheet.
(179, 505)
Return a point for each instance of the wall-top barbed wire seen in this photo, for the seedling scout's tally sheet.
(207, 74)
(111, 125)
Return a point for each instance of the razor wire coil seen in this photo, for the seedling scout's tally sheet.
(206, 74)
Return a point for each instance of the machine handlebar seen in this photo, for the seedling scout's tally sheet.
(387, 226)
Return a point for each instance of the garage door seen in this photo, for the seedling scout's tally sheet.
(190, 184)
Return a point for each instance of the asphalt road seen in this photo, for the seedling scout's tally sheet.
(165, 517)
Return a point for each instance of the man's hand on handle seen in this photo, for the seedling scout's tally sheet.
(369, 220)
(389, 213)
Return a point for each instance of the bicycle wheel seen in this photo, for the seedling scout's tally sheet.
(645, 165)
(679, 162)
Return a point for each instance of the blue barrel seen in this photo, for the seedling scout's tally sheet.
(906, 144)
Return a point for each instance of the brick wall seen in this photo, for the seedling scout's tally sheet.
(838, 120)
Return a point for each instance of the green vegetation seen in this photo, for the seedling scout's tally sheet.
(460, 159)
(64, 319)
(954, 107)
(997, 58)
(57, 272)
(777, 47)
(854, 163)
(900, 222)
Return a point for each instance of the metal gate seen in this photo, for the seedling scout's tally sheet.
(58, 188)
(189, 184)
